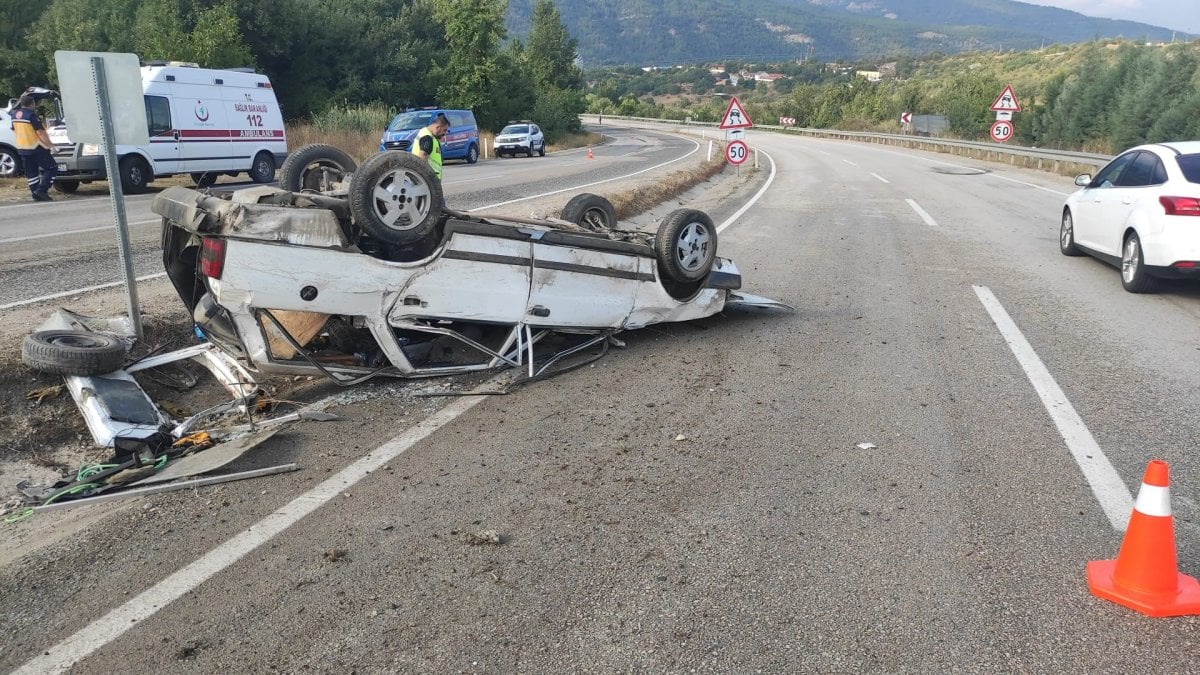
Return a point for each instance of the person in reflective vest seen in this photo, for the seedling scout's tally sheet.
(428, 145)
(33, 144)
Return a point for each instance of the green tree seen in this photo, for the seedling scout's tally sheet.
(551, 51)
(19, 67)
(474, 29)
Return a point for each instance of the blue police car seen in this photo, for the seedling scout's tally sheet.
(461, 141)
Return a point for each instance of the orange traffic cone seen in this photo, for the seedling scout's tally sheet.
(1145, 576)
(590, 155)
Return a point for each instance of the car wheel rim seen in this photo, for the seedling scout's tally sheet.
(691, 248)
(8, 166)
(402, 199)
(594, 219)
(77, 341)
(135, 175)
(1067, 235)
(321, 176)
(1129, 261)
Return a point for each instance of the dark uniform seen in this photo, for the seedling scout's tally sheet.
(40, 168)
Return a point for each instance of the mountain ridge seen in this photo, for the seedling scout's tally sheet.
(670, 32)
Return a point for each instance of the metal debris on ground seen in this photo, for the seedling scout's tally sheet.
(866, 446)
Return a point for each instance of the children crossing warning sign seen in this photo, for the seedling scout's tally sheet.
(735, 116)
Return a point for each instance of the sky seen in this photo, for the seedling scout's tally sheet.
(1181, 15)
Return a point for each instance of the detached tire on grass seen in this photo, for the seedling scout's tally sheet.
(591, 212)
(72, 352)
(396, 198)
(314, 168)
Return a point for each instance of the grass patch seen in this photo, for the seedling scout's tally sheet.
(642, 199)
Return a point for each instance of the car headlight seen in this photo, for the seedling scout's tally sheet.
(89, 149)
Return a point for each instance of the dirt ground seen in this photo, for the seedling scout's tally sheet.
(43, 437)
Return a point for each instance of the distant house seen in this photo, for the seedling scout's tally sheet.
(888, 69)
(716, 70)
(768, 77)
(734, 78)
(869, 75)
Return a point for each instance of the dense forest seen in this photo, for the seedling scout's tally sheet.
(323, 53)
(1101, 96)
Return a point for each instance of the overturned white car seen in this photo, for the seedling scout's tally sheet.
(360, 271)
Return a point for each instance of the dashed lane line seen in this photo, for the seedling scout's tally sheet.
(924, 215)
(1106, 483)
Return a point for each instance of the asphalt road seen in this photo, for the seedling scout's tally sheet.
(48, 248)
(765, 539)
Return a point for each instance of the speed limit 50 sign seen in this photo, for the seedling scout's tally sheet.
(1002, 130)
(736, 152)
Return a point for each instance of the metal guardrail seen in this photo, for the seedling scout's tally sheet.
(1064, 162)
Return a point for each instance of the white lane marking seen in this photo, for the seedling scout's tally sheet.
(849, 162)
(480, 208)
(599, 182)
(746, 207)
(1110, 490)
(63, 294)
(991, 174)
(924, 216)
(69, 232)
(1036, 187)
(827, 154)
(881, 178)
(64, 655)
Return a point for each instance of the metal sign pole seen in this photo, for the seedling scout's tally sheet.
(118, 198)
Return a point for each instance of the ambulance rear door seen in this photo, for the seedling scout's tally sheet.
(165, 138)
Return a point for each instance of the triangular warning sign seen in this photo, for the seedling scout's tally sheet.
(1006, 101)
(735, 116)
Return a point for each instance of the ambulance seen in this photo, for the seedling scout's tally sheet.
(202, 122)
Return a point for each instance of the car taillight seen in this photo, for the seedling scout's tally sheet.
(1185, 265)
(1180, 206)
(212, 257)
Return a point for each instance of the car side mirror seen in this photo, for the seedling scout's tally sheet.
(1083, 180)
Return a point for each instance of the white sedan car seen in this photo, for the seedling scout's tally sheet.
(1141, 213)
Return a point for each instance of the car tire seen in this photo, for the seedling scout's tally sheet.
(542, 149)
(263, 168)
(472, 154)
(529, 150)
(314, 168)
(1066, 235)
(203, 180)
(396, 198)
(67, 187)
(686, 245)
(135, 174)
(1133, 267)
(72, 352)
(591, 212)
(10, 163)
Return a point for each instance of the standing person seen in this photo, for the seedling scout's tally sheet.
(33, 144)
(428, 145)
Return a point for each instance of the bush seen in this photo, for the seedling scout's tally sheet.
(367, 118)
